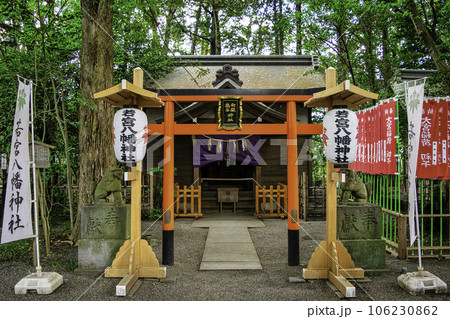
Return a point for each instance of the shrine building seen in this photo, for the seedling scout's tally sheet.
(233, 157)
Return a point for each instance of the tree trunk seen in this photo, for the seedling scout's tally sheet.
(426, 38)
(341, 74)
(370, 59)
(96, 153)
(62, 125)
(216, 45)
(194, 36)
(275, 22)
(280, 29)
(167, 31)
(298, 25)
(386, 70)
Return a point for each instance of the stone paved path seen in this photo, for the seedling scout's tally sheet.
(229, 245)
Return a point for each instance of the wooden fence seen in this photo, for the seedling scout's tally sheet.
(271, 202)
(188, 201)
(312, 199)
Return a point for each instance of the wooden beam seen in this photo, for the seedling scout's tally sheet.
(309, 129)
(247, 129)
(346, 288)
(125, 285)
(245, 98)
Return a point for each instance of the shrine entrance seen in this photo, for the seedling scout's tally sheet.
(287, 131)
(222, 174)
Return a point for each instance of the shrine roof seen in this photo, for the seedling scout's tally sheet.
(255, 72)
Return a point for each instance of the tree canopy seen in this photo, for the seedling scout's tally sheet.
(368, 42)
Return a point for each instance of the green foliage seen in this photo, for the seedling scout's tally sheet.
(317, 151)
(155, 213)
(21, 250)
(366, 41)
(137, 41)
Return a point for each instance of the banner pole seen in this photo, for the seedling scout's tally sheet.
(419, 244)
(33, 163)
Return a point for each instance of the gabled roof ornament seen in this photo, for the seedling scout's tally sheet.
(227, 73)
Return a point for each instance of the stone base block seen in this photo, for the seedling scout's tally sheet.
(367, 253)
(45, 284)
(94, 255)
(105, 222)
(418, 283)
(359, 222)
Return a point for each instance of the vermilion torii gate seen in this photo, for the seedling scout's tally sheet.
(126, 94)
(291, 129)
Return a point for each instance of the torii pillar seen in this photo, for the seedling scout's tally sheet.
(168, 186)
(292, 184)
(331, 259)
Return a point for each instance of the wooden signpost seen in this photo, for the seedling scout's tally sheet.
(135, 258)
(331, 259)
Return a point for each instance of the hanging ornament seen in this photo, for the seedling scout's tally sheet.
(244, 144)
(219, 147)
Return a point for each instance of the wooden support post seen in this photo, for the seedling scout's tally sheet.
(292, 178)
(331, 259)
(196, 176)
(278, 198)
(264, 200)
(151, 185)
(305, 196)
(401, 242)
(257, 176)
(199, 201)
(257, 199)
(135, 258)
(168, 186)
(185, 199)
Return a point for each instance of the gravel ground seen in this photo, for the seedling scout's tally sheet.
(271, 283)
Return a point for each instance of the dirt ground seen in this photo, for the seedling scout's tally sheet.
(269, 284)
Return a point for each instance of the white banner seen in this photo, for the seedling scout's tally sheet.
(17, 212)
(414, 105)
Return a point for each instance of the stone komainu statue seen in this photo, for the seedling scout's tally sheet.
(111, 183)
(354, 186)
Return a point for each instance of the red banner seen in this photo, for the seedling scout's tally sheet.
(432, 161)
(377, 146)
(442, 139)
(447, 176)
(376, 140)
(389, 166)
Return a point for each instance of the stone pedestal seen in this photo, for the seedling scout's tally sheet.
(104, 228)
(359, 228)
